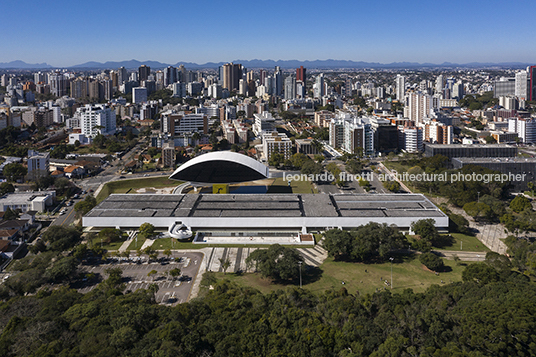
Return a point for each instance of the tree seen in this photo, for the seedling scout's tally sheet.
(146, 230)
(460, 224)
(276, 159)
(110, 235)
(152, 274)
(6, 187)
(115, 278)
(392, 186)
(431, 261)
(167, 252)
(477, 209)
(225, 264)
(61, 238)
(175, 272)
(298, 160)
(83, 207)
(354, 166)
(276, 262)
(10, 214)
(426, 229)
(310, 167)
(520, 203)
(480, 273)
(14, 171)
(338, 243)
(62, 269)
(61, 184)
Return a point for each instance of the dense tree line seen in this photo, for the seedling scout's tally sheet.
(369, 242)
(487, 315)
(458, 191)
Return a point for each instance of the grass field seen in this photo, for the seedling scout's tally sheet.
(136, 244)
(361, 278)
(297, 186)
(96, 242)
(465, 243)
(124, 185)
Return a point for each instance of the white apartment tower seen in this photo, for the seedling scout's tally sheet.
(96, 119)
(400, 87)
(525, 129)
(522, 85)
(290, 87)
(418, 106)
(318, 87)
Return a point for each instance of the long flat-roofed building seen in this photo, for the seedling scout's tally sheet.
(461, 150)
(523, 168)
(254, 215)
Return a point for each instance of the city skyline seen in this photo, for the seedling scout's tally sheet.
(168, 32)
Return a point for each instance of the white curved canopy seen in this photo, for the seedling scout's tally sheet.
(227, 156)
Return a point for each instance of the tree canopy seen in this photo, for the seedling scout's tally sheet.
(276, 262)
(371, 241)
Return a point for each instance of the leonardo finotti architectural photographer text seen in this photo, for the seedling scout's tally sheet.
(407, 177)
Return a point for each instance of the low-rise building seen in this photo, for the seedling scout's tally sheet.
(27, 201)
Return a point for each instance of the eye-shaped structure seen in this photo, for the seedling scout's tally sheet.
(221, 167)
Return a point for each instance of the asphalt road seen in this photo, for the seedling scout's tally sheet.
(135, 276)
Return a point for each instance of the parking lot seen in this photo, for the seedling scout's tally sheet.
(135, 275)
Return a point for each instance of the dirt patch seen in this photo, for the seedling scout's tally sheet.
(163, 190)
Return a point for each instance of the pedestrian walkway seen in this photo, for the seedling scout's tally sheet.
(214, 257)
(464, 256)
(125, 245)
(147, 243)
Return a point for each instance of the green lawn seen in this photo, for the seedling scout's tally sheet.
(296, 186)
(362, 278)
(96, 242)
(136, 245)
(466, 243)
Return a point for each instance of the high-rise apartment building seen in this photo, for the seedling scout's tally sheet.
(400, 87)
(177, 123)
(143, 73)
(522, 85)
(79, 88)
(318, 87)
(532, 83)
(232, 73)
(411, 139)
(417, 106)
(525, 129)
(96, 119)
(58, 84)
(301, 74)
(170, 75)
(38, 164)
(122, 76)
(275, 142)
(277, 82)
(139, 95)
(290, 87)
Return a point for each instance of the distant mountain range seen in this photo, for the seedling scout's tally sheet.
(23, 65)
(256, 63)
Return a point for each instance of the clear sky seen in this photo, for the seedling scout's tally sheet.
(65, 33)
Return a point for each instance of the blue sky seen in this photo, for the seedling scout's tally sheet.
(64, 33)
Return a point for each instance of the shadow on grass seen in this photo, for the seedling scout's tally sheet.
(310, 275)
(399, 256)
(444, 241)
(279, 189)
